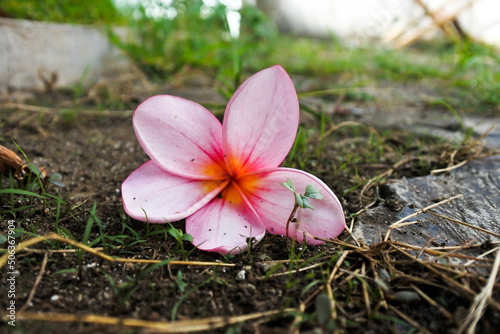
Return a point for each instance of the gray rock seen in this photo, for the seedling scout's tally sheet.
(479, 183)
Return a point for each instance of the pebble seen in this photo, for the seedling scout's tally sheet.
(241, 275)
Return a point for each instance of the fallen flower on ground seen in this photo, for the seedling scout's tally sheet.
(224, 179)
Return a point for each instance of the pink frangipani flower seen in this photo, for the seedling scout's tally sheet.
(224, 178)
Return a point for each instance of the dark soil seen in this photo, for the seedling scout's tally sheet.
(94, 154)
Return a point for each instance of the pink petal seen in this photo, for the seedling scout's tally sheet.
(161, 196)
(274, 203)
(260, 122)
(180, 136)
(224, 224)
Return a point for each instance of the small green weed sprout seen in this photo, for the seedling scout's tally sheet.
(180, 237)
(301, 201)
(179, 282)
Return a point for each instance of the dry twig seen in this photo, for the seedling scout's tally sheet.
(55, 236)
(466, 224)
(184, 326)
(54, 111)
(450, 168)
(481, 300)
(460, 289)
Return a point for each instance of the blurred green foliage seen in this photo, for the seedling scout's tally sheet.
(163, 45)
(69, 11)
(479, 68)
(190, 33)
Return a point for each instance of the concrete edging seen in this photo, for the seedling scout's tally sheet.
(33, 52)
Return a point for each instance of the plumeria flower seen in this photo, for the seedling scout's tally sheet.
(224, 179)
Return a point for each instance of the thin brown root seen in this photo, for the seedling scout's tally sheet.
(428, 299)
(35, 285)
(408, 319)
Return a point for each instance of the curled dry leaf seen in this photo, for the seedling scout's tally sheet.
(10, 162)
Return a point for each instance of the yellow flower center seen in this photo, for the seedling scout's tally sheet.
(238, 184)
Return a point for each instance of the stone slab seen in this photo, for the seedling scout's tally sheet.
(449, 128)
(31, 50)
(478, 181)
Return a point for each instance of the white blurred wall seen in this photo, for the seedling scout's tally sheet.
(361, 21)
